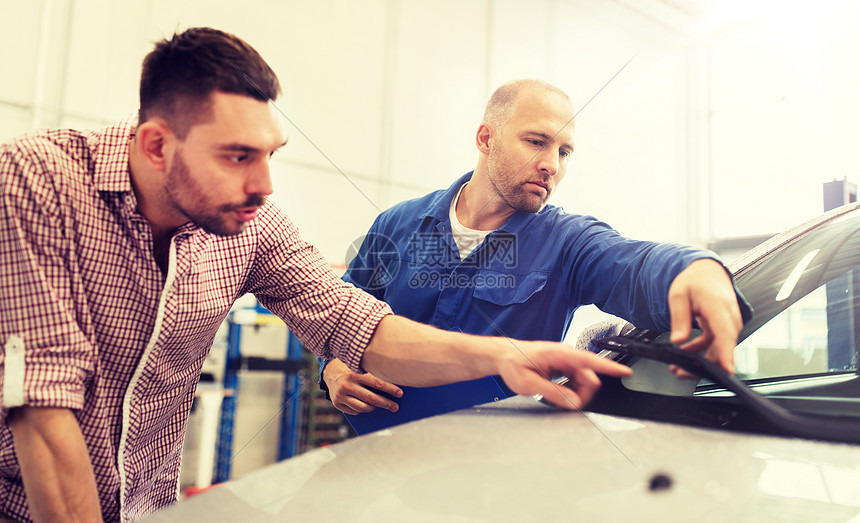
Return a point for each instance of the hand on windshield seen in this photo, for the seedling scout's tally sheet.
(704, 292)
(354, 393)
(528, 368)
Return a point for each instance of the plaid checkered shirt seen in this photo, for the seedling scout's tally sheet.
(90, 323)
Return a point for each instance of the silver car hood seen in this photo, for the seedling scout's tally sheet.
(517, 460)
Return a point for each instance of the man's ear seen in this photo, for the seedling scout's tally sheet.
(482, 139)
(154, 142)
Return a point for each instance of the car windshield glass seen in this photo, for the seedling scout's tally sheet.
(807, 302)
(813, 335)
(798, 355)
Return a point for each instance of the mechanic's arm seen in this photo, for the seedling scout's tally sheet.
(414, 354)
(55, 465)
(350, 392)
(354, 393)
(704, 292)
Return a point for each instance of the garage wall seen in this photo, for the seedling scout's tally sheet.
(785, 114)
(385, 96)
(700, 136)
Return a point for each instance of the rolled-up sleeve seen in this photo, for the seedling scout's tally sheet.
(45, 357)
(332, 318)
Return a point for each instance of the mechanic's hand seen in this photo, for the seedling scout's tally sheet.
(353, 393)
(704, 291)
(527, 370)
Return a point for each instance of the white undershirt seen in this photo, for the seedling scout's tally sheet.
(467, 239)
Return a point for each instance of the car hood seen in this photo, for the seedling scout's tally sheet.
(518, 460)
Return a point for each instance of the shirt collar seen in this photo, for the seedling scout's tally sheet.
(111, 172)
(440, 206)
(110, 156)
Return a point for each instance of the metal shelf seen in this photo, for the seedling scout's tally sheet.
(295, 368)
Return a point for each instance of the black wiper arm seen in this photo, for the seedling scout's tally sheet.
(788, 422)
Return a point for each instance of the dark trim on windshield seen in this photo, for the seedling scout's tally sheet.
(746, 410)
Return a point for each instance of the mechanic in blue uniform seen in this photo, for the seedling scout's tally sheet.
(488, 256)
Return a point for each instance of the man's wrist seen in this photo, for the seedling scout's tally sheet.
(485, 354)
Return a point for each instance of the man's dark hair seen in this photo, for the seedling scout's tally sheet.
(180, 74)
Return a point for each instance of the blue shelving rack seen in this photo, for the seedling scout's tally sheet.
(293, 367)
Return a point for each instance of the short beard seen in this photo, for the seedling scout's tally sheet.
(211, 222)
(497, 163)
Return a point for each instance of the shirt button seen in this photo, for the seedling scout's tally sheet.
(129, 199)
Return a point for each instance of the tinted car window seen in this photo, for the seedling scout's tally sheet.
(807, 301)
(798, 354)
(799, 341)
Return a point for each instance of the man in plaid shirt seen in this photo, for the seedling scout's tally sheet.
(122, 251)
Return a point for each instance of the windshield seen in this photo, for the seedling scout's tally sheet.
(798, 355)
(806, 298)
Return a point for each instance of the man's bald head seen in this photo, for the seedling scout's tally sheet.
(503, 103)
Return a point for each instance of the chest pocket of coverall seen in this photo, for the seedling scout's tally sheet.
(506, 289)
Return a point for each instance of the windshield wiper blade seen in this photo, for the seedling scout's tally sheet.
(787, 422)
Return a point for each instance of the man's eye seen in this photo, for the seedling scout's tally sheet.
(537, 143)
(237, 158)
(564, 154)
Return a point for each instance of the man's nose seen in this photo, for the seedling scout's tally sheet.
(547, 162)
(260, 179)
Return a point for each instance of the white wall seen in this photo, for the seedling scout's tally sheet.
(385, 96)
(785, 114)
(694, 139)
